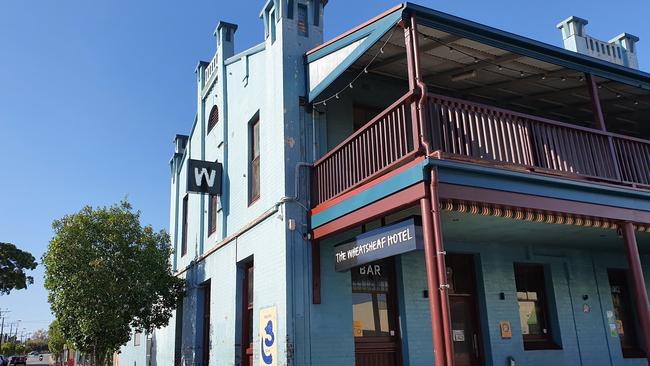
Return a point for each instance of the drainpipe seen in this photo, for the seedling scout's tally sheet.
(638, 283)
(433, 247)
(434, 292)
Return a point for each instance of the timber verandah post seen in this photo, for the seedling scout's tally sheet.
(638, 283)
(429, 205)
(597, 110)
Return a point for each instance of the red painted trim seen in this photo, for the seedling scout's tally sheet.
(638, 283)
(327, 204)
(374, 210)
(452, 191)
(389, 11)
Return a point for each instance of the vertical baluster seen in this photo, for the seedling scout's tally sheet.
(593, 148)
(389, 139)
(605, 156)
(576, 162)
(487, 148)
(354, 161)
(639, 161)
(551, 148)
(465, 130)
(474, 146)
(398, 131)
(645, 156)
(586, 153)
(629, 161)
(642, 156)
(492, 130)
(445, 128)
(456, 129)
(498, 118)
(545, 154)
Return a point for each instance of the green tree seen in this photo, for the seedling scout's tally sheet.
(8, 348)
(38, 341)
(55, 340)
(13, 264)
(106, 274)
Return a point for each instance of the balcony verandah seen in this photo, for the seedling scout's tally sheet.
(455, 110)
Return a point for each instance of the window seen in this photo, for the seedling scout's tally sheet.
(316, 13)
(624, 315)
(302, 21)
(254, 166)
(247, 315)
(373, 310)
(272, 25)
(184, 229)
(136, 338)
(290, 9)
(214, 118)
(212, 214)
(533, 306)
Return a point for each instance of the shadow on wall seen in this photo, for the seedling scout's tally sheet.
(192, 330)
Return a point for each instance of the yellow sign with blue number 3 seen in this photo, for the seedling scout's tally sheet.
(268, 336)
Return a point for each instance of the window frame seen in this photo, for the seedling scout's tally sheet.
(213, 205)
(254, 157)
(536, 341)
(185, 225)
(136, 338)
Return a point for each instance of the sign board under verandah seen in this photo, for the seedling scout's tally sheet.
(384, 242)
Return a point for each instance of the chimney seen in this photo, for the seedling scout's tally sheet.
(180, 142)
(225, 34)
(620, 50)
(628, 43)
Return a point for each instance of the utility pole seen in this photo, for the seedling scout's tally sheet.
(2, 327)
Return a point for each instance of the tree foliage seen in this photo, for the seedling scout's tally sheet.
(106, 274)
(13, 264)
(38, 341)
(55, 339)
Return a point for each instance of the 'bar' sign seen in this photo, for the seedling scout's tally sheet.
(204, 177)
(377, 244)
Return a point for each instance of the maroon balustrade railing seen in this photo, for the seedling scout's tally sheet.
(484, 133)
(380, 145)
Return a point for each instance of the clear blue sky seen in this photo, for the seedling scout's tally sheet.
(92, 93)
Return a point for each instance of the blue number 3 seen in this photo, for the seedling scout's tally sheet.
(268, 359)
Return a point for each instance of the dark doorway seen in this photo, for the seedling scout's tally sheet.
(463, 306)
(206, 323)
(374, 313)
(247, 315)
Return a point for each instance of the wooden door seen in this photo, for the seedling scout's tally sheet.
(463, 308)
(374, 309)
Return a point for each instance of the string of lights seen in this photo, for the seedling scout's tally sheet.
(523, 73)
(363, 71)
(476, 60)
